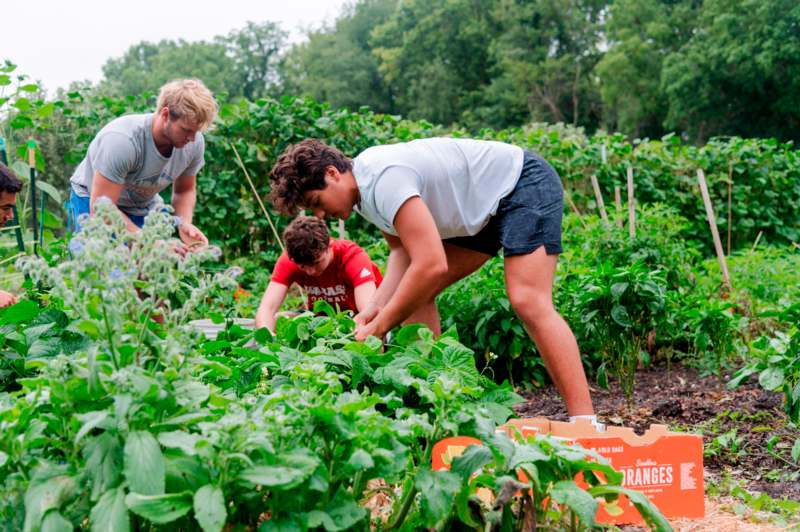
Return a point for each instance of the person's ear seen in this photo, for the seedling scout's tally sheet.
(332, 173)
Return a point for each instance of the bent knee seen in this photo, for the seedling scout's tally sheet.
(532, 306)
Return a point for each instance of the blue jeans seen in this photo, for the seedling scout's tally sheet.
(79, 205)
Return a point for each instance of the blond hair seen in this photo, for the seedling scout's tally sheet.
(190, 99)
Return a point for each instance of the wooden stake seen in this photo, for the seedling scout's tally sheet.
(576, 211)
(618, 203)
(258, 198)
(723, 265)
(342, 232)
(598, 196)
(758, 237)
(730, 212)
(631, 206)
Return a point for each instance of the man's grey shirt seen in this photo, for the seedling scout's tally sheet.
(124, 152)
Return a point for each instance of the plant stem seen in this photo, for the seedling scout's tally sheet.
(110, 339)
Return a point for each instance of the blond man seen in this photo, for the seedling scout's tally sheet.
(134, 157)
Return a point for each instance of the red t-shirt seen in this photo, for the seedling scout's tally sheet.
(349, 268)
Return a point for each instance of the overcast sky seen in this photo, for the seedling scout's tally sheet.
(59, 41)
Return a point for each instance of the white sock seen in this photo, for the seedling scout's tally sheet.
(592, 418)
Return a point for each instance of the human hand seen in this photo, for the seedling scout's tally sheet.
(192, 237)
(364, 331)
(7, 299)
(367, 315)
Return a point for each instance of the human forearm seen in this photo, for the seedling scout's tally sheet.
(183, 203)
(419, 283)
(396, 267)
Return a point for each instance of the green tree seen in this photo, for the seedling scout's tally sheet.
(254, 51)
(336, 64)
(641, 33)
(146, 66)
(545, 52)
(739, 74)
(435, 56)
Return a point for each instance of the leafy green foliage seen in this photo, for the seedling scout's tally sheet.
(617, 308)
(777, 363)
(150, 425)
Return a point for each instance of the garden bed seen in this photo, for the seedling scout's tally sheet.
(756, 456)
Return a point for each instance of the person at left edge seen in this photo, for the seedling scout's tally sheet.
(134, 157)
(10, 185)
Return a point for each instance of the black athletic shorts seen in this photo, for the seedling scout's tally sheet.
(527, 218)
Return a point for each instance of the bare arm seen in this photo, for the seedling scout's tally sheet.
(272, 300)
(363, 294)
(396, 266)
(184, 197)
(102, 186)
(428, 263)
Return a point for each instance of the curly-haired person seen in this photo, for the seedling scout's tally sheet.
(446, 206)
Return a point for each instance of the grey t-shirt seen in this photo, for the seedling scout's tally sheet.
(461, 181)
(124, 152)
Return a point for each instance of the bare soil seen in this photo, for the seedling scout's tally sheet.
(757, 456)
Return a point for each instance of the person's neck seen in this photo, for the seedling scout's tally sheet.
(355, 193)
(163, 144)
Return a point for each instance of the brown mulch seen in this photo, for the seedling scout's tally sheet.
(683, 400)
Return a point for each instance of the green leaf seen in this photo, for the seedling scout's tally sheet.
(55, 522)
(771, 378)
(46, 110)
(296, 468)
(48, 495)
(342, 513)
(360, 460)
(438, 490)
(568, 493)
(472, 459)
(89, 421)
(49, 189)
(209, 508)
(179, 439)
(103, 462)
(617, 289)
(795, 451)
(20, 312)
(144, 464)
(620, 315)
(110, 514)
(30, 87)
(23, 104)
(160, 509)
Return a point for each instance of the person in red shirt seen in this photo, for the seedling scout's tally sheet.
(337, 271)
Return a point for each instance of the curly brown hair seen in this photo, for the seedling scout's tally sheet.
(300, 168)
(307, 238)
(9, 182)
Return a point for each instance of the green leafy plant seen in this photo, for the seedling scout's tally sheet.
(777, 363)
(618, 308)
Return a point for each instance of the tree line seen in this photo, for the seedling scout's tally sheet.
(700, 68)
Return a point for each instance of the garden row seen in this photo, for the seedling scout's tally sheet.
(116, 415)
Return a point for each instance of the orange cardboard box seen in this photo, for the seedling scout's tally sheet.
(666, 466)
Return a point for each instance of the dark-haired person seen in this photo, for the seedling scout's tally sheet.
(134, 157)
(337, 271)
(446, 206)
(9, 186)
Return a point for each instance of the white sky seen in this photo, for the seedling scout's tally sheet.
(59, 41)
